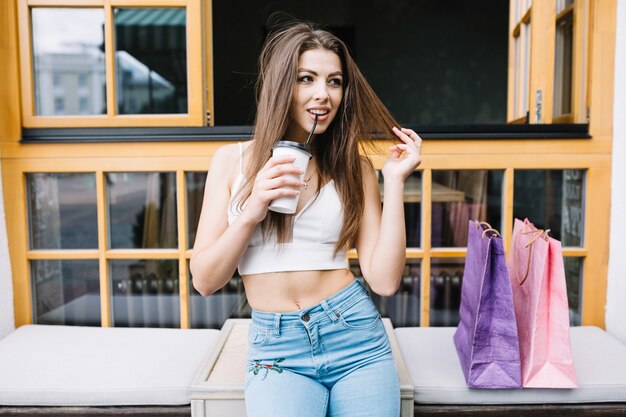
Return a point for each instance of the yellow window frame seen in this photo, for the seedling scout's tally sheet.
(196, 84)
(541, 16)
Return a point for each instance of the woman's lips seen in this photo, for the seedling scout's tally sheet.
(320, 117)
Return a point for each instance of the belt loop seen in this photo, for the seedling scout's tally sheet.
(334, 317)
(277, 324)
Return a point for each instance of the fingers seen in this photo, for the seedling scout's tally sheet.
(408, 136)
(284, 181)
(281, 170)
(278, 178)
(399, 147)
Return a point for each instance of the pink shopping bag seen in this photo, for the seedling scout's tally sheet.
(541, 309)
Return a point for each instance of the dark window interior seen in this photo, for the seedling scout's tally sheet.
(432, 62)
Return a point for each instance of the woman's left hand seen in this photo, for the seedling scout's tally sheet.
(405, 157)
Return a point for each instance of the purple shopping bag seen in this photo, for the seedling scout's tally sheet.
(486, 338)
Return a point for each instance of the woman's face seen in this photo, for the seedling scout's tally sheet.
(318, 90)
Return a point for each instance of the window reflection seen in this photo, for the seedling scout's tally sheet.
(212, 311)
(195, 193)
(461, 196)
(66, 292)
(552, 199)
(62, 211)
(574, 281)
(145, 293)
(150, 60)
(445, 291)
(142, 208)
(68, 61)
(412, 206)
(402, 308)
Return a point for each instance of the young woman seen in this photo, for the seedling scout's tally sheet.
(317, 345)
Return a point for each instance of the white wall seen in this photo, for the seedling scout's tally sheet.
(7, 321)
(616, 293)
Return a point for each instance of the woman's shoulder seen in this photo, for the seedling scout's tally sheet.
(229, 156)
(227, 160)
(231, 152)
(225, 154)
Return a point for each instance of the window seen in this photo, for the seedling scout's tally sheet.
(557, 205)
(548, 67)
(82, 81)
(520, 21)
(563, 59)
(128, 61)
(59, 105)
(83, 105)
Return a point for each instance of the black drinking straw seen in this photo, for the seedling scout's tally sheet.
(312, 130)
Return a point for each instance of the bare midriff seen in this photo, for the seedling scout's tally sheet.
(285, 292)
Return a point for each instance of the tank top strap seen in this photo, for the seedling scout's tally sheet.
(240, 158)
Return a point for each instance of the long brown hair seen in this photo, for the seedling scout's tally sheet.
(361, 116)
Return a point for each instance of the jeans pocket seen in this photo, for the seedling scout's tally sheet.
(257, 337)
(362, 315)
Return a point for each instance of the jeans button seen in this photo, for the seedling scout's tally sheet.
(305, 317)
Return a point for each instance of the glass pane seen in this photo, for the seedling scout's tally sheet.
(412, 206)
(68, 61)
(62, 211)
(142, 209)
(461, 196)
(150, 60)
(403, 308)
(212, 311)
(145, 293)
(445, 290)
(552, 199)
(563, 65)
(574, 280)
(195, 192)
(66, 292)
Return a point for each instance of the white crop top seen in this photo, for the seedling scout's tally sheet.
(316, 230)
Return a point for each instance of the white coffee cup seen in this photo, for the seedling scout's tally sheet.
(287, 205)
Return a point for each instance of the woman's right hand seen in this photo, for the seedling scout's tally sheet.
(278, 178)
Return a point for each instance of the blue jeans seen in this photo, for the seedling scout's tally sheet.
(332, 359)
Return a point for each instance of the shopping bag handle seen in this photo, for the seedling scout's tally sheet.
(536, 233)
(491, 230)
(484, 224)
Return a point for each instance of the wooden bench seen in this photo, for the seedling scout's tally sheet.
(217, 389)
(93, 371)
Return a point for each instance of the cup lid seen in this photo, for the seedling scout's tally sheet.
(290, 144)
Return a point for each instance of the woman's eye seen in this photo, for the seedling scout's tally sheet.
(337, 82)
(305, 79)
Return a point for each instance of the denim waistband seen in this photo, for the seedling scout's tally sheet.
(329, 308)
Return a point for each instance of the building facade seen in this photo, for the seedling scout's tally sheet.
(109, 128)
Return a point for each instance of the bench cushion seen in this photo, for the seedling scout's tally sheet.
(94, 366)
(433, 364)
